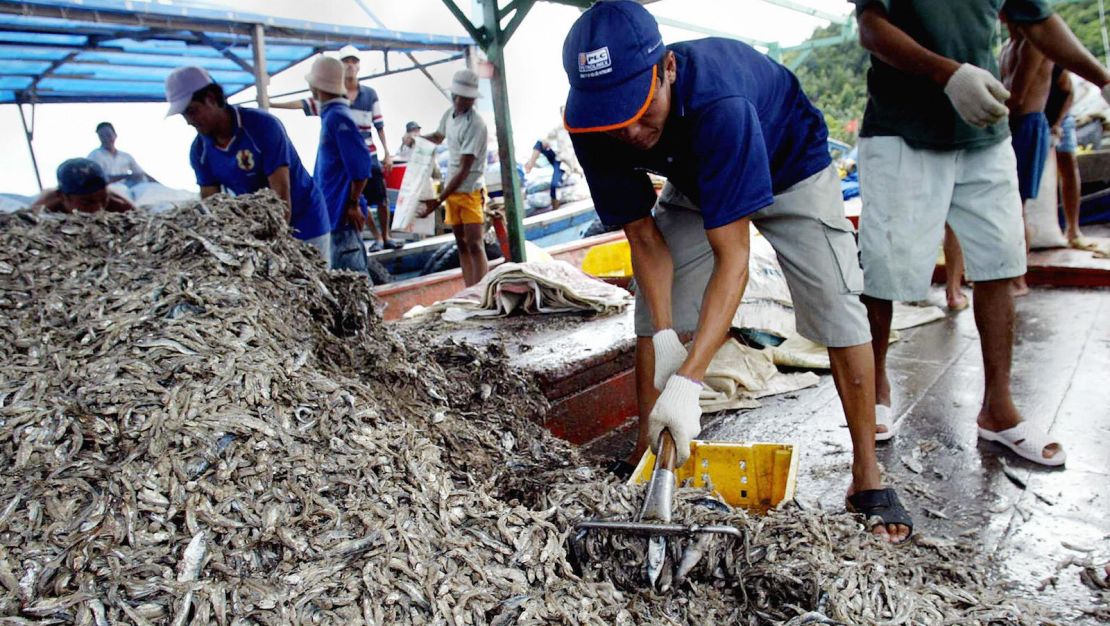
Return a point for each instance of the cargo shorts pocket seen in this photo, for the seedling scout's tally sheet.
(842, 243)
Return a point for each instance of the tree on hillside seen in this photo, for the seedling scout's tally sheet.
(834, 77)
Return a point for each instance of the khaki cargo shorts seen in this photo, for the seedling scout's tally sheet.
(815, 246)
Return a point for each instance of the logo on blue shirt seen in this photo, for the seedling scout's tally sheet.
(245, 160)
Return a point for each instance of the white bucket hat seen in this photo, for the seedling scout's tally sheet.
(465, 84)
(181, 84)
(327, 75)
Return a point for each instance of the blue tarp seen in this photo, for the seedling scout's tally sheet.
(112, 51)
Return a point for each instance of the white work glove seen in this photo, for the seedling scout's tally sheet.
(679, 411)
(670, 354)
(977, 95)
(1106, 93)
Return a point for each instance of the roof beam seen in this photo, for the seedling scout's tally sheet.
(454, 57)
(201, 36)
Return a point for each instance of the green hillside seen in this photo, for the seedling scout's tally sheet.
(833, 76)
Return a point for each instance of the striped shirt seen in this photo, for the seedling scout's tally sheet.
(366, 109)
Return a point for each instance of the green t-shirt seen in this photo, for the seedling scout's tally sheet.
(914, 107)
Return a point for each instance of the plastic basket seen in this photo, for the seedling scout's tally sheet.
(754, 476)
(613, 259)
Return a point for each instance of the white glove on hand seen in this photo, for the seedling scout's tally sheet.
(677, 410)
(670, 354)
(977, 95)
(1106, 93)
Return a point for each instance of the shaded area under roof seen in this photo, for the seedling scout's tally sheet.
(122, 51)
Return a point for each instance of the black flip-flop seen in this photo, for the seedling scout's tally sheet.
(881, 503)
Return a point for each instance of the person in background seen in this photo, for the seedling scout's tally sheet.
(740, 144)
(408, 140)
(118, 165)
(82, 188)
(935, 125)
(544, 147)
(244, 150)
(342, 165)
(1028, 75)
(366, 109)
(466, 135)
(1058, 112)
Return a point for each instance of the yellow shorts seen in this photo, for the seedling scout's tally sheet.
(464, 208)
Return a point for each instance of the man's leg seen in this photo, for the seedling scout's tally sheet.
(906, 195)
(879, 314)
(853, 371)
(824, 282)
(954, 270)
(994, 317)
(986, 216)
(472, 252)
(383, 219)
(464, 259)
(1068, 167)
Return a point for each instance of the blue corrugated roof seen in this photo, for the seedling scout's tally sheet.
(121, 51)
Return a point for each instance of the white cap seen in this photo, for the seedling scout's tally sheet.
(181, 84)
(465, 84)
(348, 51)
(327, 75)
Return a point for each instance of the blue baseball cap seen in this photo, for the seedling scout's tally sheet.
(610, 57)
(80, 177)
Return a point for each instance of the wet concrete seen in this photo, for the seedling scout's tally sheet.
(952, 483)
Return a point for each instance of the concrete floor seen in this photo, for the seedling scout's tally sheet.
(1061, 381)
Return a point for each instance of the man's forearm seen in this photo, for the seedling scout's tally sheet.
(1056, 41)
(356, 191)
(891, 44)
(722, 296)
(653, 267)
(381, 138)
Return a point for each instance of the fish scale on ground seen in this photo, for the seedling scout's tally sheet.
(198, 423)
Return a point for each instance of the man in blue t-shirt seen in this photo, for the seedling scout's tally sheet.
(244, 150)
(342, 166)
(740, 144)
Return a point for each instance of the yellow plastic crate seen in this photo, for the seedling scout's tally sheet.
(754, 476)
(613, 259)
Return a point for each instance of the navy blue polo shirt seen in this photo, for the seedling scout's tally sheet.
(258, 148)
(341, 158)
(740, 130)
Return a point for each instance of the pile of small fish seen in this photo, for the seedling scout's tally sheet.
(199, 424)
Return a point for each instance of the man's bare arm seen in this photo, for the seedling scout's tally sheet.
(1053, 38)
(726, 287)
(209, 190)
(654, 268)
(891, 44)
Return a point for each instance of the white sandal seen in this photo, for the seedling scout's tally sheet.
(1028, 442)
(883, 418)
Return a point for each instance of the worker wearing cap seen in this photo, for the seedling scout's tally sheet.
(244, 150)
(408, 141)
(366, 109)
(740, 144)
(933, 150)
(466, 135)
(342, 165)
(82, 188)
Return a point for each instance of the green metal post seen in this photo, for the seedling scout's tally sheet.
(510, 184)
